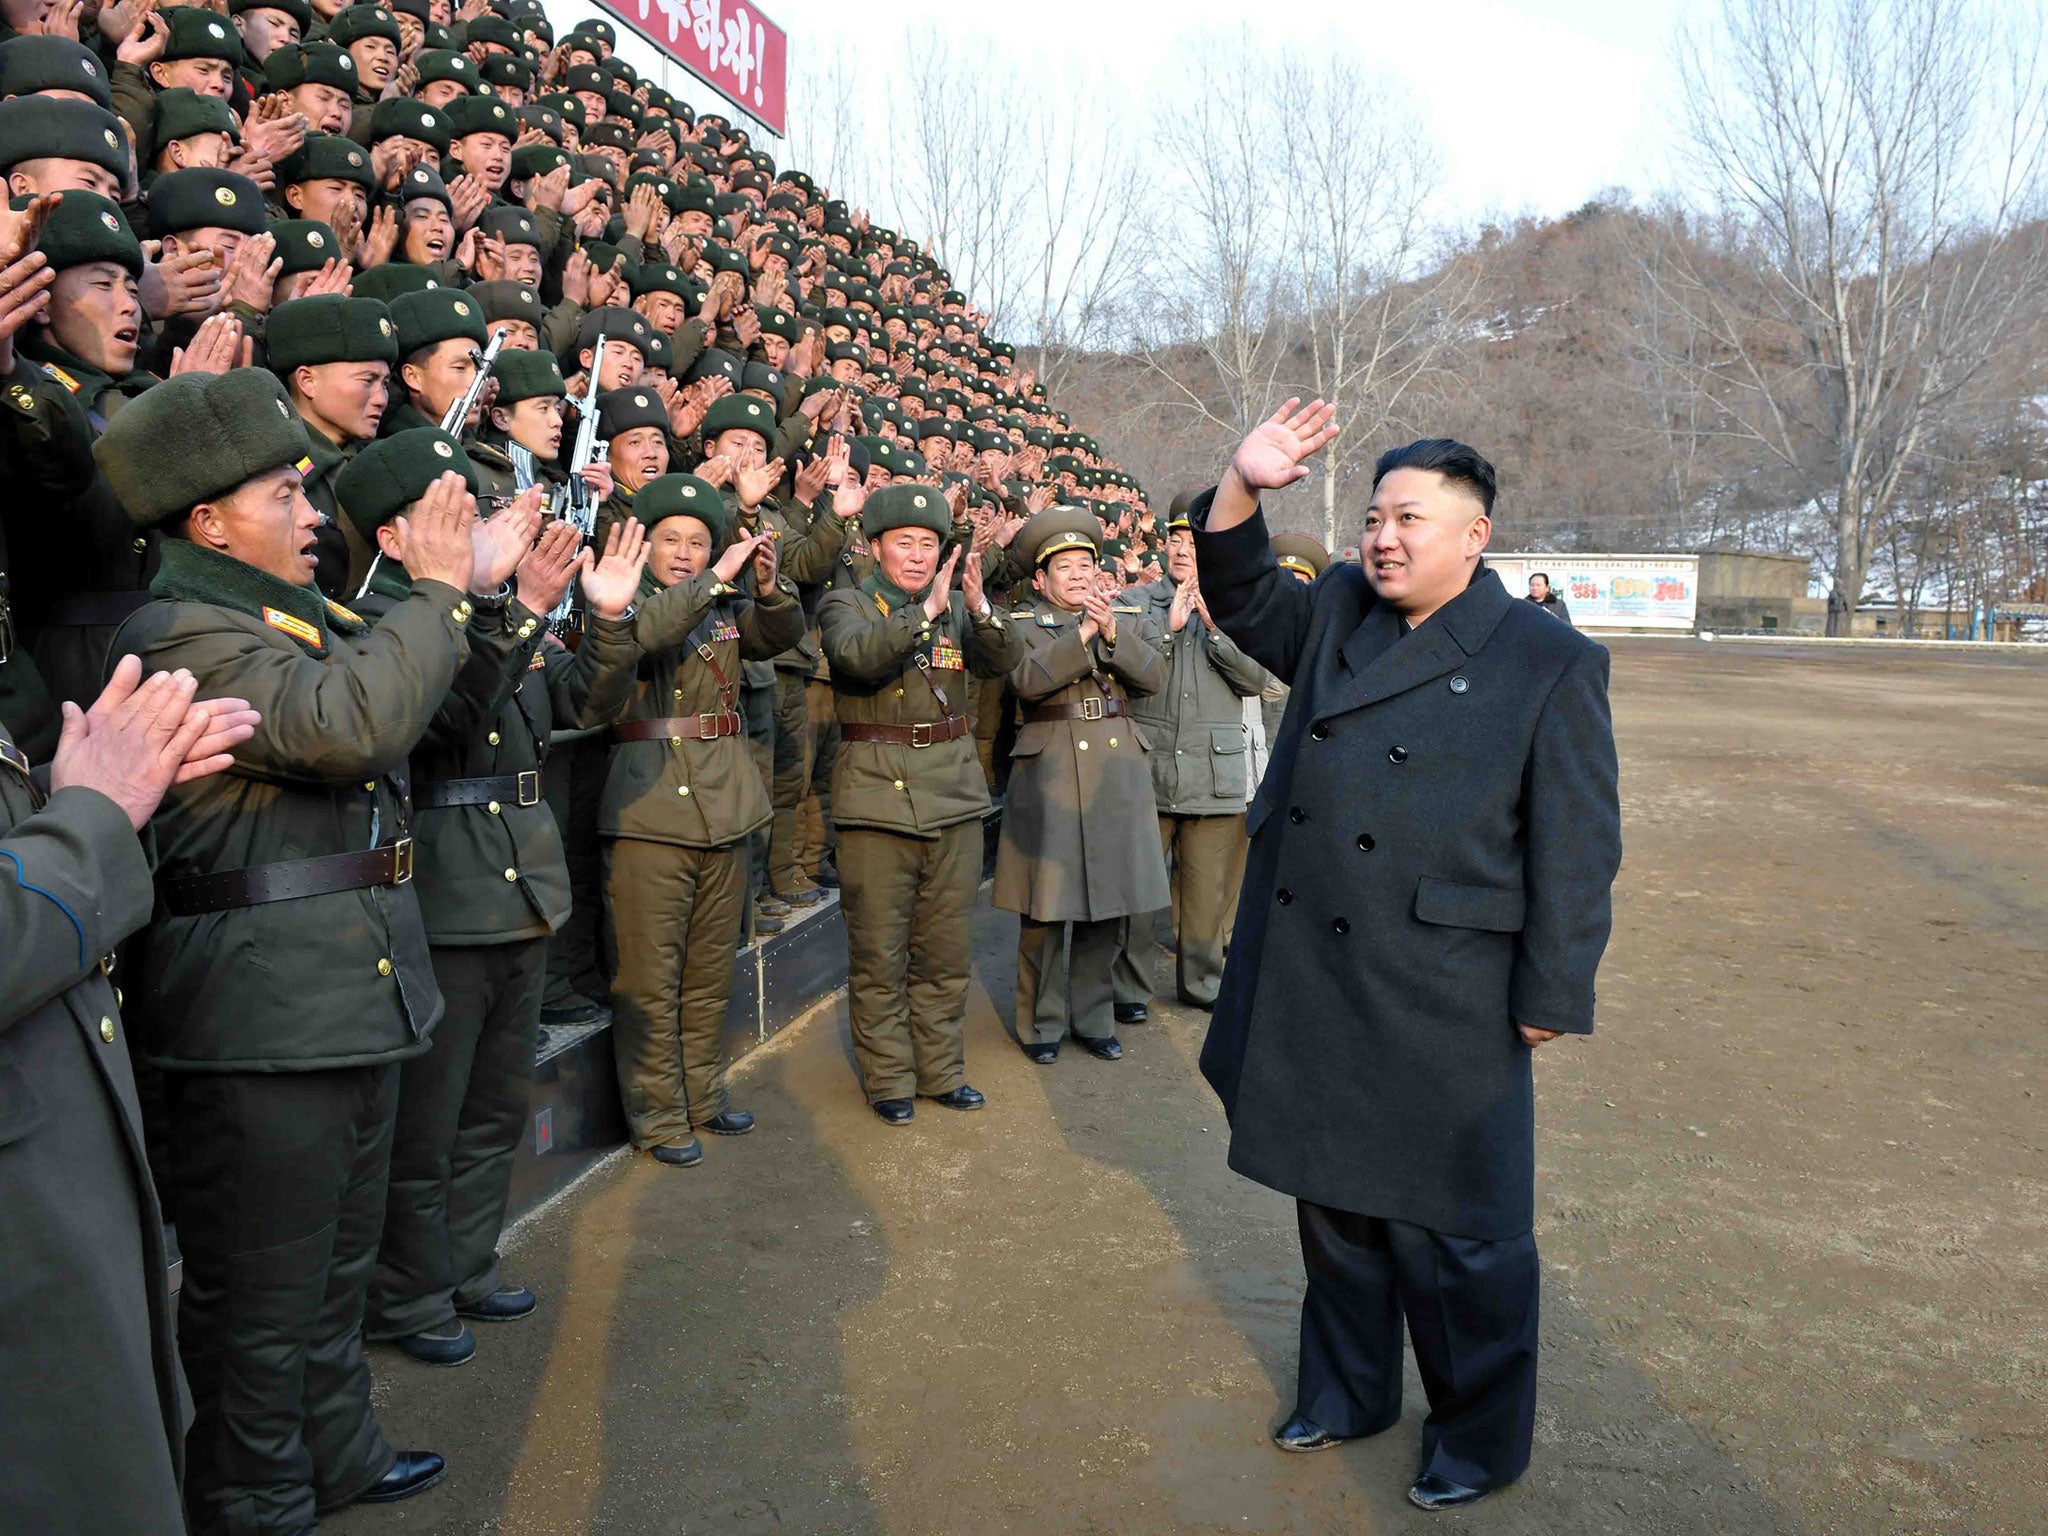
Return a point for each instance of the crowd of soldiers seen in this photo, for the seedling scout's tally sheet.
(481, 543)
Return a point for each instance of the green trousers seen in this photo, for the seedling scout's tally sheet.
(1055, 991)
(462, 1108)
(909, 905)
(789, 779)
(813, 817)
(1205, 866)
(674, 918)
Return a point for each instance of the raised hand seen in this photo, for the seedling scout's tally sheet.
(640, 210)
(436, 534)
(141, 737)
(117, 22)
(185, 284)
(942, 586)
(251, 276)
(766, 558)
(716, 470)
(470, 198)
(611, 582)
(545, 571)
(1096, 606)
(605, 285)
(545, 191)
(753, 485)
(597, 475)
(24, 294)
(216, 347)
(21, 228)
(970, 581)
(1275, 452)
(737, 554)
(500, 543)
(1183, 605)
(381, 239)
(812, 478)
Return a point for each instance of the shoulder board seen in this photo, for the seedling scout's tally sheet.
(882, 603)
(292, 625)
(347, 616)
(1126, 608)
(1020, 613)
(61, 377)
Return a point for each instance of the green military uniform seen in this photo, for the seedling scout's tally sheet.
(286, 974)
(503, 467)
(681, 795)
(92, 565)
(309, 333)
(98, 1447)
(1079, 841)
(1195, 726)
(492, 886)
(908, 797)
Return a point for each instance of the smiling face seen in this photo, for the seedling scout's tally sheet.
(678, 549)
(1423, 535)
(909, 557)
(1180, 554)
(376, 61)
(1066, 578)
(95, 314)
(265, 522)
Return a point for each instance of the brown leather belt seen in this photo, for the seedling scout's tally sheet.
(500, 789)
(1087, 709)
(258, 883)
(705, 727)
(952, 728)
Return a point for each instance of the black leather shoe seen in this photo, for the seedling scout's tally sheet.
(1207, 1005)
(894, 1111)
(1106, 1049)
(962, 1097)
(1433, 1493)
(771, 906)
(1044, 1055)
(575, 1010)
(805, 898)
(502, 1306)
(450, 1344)
(731, 1122)
(687, 1155)
(1132, 1013)
(1305, 1435)
(413, 1472)
(766, 924)
(827, 876)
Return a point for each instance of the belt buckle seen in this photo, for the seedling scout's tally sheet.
(711, 724)
(1091, 709)
(401, 861)
(924, 726)
(529, 787)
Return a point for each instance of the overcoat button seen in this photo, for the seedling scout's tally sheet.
(106, 1029)
(1365, 842)
(1082, 745)
(1340, 926)
(1459, 685)
(1297, 815)
(511, 874)
(683, 790)
(1397, 754)
(492, 807)
(1320, 731)
(492, 738)
(383, 967)
(1284, 896)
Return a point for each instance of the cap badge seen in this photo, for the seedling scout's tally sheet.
(225, 196)
(88, 66)
(111, 222)
(640, 401)
(917, 502)
(355, 157)
(426, 119)
(215, 31)
(346, 61)
(460, 308)
(112, 141)
(689, 490)
(282, 409)
(444, 451)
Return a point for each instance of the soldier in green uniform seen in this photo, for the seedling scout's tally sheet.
(681, 797)
(286, 973)
(492, 886)
(334, 354)
(1196, 728)
(440, 335)
(96, 1449)
(517, 444)
(1080, 844)
(908, 794)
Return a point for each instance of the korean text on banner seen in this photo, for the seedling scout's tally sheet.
(732, 48)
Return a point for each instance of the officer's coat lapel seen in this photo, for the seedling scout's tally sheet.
(1377, 661)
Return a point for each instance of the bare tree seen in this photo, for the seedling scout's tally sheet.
(1383, 319)
(1882, 158)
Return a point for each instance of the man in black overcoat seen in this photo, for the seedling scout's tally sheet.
(1426, 901)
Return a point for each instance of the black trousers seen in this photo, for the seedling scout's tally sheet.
(1470, 1307)
(280, 1180)
(461, 1110)
(572, 779)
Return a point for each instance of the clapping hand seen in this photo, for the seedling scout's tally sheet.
(970, 582)
(218, 346)
(141, 737)
(546, 569)
(1184, 597)
(753, 485)
(737, 554)
(1099, 618)
(611, 582)
(436, 537)
(942, 586)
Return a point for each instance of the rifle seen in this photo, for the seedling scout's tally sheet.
(457, 415)
(572, 500)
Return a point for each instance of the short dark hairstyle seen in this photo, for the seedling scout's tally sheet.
(1543, 576)
(1457, 462)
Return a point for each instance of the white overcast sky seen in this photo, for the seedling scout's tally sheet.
(1537, 104)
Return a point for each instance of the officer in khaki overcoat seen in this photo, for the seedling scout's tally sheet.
(1080, 842)
(908, 794)
(680, 798)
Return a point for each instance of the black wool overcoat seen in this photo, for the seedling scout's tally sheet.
(1432, 852)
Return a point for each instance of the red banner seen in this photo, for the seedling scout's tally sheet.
(730, 46)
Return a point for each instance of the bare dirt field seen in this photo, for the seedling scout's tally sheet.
(1792, 1201)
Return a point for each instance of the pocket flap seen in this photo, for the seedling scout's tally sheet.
(1032, 739)
(1450, 905)
(1226, 738)
(20, 1110)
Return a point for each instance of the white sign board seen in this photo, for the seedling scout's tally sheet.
(1613, 591)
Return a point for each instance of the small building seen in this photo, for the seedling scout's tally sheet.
(1741, 591)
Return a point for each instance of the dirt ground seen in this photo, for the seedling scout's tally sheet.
(1792, 1201)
